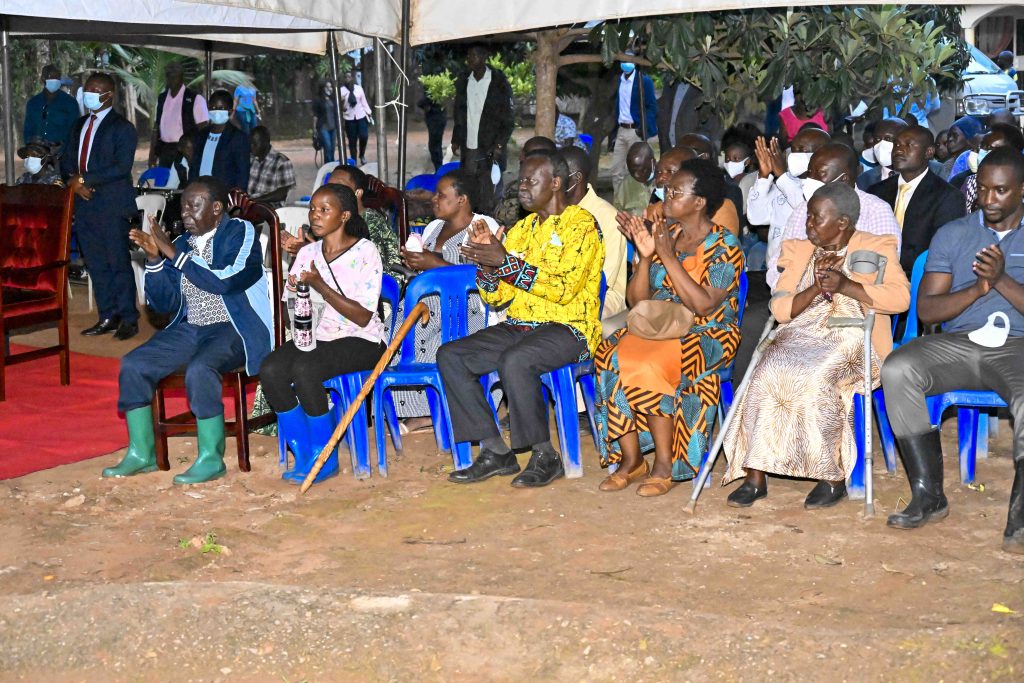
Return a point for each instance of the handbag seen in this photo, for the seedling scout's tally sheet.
(659, 320)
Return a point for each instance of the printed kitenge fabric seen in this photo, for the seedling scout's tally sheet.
(679, 379)
(796, 417)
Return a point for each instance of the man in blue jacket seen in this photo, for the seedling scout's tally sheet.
(212, 281)
(97, 166)
(50, 114)
(632, 127)
(222, 149)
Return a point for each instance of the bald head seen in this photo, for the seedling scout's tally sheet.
(810, 140)
(538, 143)
(578, 162)
(640, 162)
(888, 129)
(701, 144)
(835, 162)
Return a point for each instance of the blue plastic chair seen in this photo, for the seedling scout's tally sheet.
(157, 177)
(345, 388)
(587, 140)
(972, 422)
(560, 386)
(450, 166)
(424, 181)
(452, 285)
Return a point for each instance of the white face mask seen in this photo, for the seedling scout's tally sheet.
(734, 168)
(974, 159)
(868, 155)
(659, 192)
(33, 164)
(798, 163)
(810, 186)
(991, 336)
(883, 153)
(219, 117)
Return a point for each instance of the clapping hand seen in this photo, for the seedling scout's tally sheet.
(769, 158)
(665, 240)
(154, 242)
(311, 277)
(635, 230)
(829, 275)
(989, 265)
(483, 248)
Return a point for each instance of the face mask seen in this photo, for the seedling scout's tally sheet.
(974, 159)
(734, 168)
(219, 117)
(991, 336)
(810, 186)
(92, 101)
(659, 192)
(627, 67)
(495, 174)
(798, 163)
(33, 164)
(52, 84)
(868, 155)
(883, 153)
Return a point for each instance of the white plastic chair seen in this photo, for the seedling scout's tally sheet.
(292, 219)
(320, 175)
(152, 204)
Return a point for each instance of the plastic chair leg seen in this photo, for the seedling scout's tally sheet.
(378, 430)
(439, 418)
(885, 434)
(462, 452)
(357, 435)
(727, 397)
(985, 418)
(967, 436)
(391, 415)
(855, 484)
(588, 386)
(566, 419)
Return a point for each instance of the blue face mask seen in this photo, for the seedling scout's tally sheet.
(92, 101)
(219, 117)
(659, 192)
(627, 67)
(52, 84)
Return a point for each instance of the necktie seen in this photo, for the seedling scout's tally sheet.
(83, 156)
(901, 203)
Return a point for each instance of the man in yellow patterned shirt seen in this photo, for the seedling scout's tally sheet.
(548, 274)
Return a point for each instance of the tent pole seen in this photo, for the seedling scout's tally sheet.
(382, 136)
(339, 134)
(5, 68)
(403, 116)
(208, 69)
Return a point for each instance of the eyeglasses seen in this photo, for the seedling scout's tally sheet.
(672, 194)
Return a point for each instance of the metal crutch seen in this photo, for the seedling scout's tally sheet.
(767, 335)
(865, 262)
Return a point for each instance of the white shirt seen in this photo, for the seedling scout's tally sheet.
(100, 115)
(771, 202)
(209, 150)
(625, 97)
(900, 182)
(201, 240)
(476, 95)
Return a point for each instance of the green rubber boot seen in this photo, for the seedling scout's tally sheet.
(140, 457)
(209, 464)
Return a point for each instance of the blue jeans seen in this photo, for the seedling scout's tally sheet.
(328, 142)
(357, 132)
(206, 353)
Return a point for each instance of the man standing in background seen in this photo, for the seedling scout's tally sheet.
(179, 111)
(631, 127)
(50, 114)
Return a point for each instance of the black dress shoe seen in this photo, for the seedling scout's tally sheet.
(542, 469)
(102, 327)
(825, 495)
(745, 495)
(487, 464)
(126, 331)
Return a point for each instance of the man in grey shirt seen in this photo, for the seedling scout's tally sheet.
(975, 270)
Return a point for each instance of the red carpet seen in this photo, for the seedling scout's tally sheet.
(44, 425)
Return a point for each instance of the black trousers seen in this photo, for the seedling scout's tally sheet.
(103, 240)
(435, 138)
(477, 165)
(292, 377)
(166, 152)
(357, 132)
(520, 357)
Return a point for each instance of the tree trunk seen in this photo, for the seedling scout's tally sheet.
(545, 64)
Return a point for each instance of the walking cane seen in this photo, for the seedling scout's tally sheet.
(767, 336)
(420, 312)
(866, 262)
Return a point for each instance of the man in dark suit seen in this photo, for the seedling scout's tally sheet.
(682, 110)
(98, 168)
(483, 123)
(222, 150)
(922, 201)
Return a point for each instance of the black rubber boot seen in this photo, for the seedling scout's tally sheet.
(1013, 537)
(922, 458)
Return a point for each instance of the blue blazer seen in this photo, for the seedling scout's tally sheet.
(235, 273)
(109, 172)
(230, 161)
(650, 104)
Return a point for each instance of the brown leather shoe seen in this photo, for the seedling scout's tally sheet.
(619, 480)
(655, 486)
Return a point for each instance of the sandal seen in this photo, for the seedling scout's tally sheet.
(619, 480)
(655, 486)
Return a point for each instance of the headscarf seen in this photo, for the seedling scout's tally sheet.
(969, 126)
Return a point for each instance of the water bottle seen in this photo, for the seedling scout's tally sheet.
(303, 334)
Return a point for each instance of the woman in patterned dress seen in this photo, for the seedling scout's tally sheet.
(664, 394)
(796, 417)
(453, 214)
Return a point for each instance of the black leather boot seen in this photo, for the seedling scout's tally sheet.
(1013, 537)
(922, 458)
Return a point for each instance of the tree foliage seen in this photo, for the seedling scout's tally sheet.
(835, 56)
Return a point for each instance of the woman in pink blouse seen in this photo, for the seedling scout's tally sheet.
(343, 270)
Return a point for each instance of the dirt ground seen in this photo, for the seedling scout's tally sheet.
(411, 578)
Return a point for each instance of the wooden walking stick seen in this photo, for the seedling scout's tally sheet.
(420, 312)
